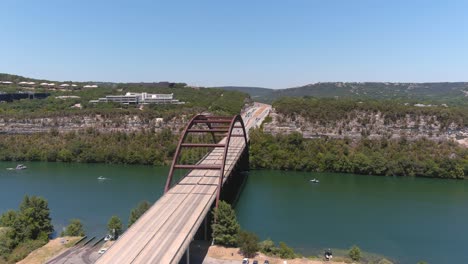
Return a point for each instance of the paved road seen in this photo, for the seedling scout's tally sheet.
(164, 232)
(77, 255)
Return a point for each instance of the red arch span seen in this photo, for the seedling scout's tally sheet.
(208, 121)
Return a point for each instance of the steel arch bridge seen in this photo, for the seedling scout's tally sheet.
(225, 126)
(163, 234)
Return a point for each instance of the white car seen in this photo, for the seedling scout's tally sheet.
(102, 250)
(245, 261)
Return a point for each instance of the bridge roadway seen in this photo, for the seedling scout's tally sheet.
(165, 231)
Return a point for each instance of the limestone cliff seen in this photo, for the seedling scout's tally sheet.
(359, 124)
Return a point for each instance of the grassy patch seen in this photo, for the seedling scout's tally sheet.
(46, 252)
(23, 250)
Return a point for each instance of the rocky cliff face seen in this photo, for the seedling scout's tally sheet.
(125, 124)
(364, 124)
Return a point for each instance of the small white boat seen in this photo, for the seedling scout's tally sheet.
(21, 167)
(101, 178)
(314, 181)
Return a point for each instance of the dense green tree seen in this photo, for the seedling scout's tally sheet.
(9, 218)
(114, 226)
(34, 218)
(138, 211)
(24, 230)
(75, 228)
(284, 251)
(355, 253)
(248, 243)
(7, 241)
(420, 158)
(225, 226)
(267, 247)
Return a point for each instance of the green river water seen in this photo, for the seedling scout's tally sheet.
(405, 219)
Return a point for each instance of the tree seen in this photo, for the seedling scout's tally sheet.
(355, 253)
(142, 207)
(29, 227)
(7, 241)
(9, 218)
(248, 243)
(225, 225)
(285, 252)
(267, 247)
(75, 228)
(34, 219)
(114, 226)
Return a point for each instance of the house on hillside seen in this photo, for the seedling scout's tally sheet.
(27, 84)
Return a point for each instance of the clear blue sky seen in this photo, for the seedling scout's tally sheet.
(243, 42)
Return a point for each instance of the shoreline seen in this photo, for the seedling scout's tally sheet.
(223, 255)
(251, 169)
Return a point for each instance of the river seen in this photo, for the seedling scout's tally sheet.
(405, 219)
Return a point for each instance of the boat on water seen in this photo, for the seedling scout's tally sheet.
(101, 178)
(20, 167)
(314, 181)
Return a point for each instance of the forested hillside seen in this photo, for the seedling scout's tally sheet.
(196, 100)
(375, 119)
(363, 136)
(454, 93)
(326, 110)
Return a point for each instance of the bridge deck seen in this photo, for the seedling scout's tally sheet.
(165, 231)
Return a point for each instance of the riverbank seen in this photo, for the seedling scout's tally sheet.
(386, 157)
(222, 255)
(420, 158)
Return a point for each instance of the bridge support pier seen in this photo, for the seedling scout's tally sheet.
(205, 237)
(234, 184)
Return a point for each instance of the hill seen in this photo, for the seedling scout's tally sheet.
(62, 102)
(256, 93)
(17, 78)
(441, 92)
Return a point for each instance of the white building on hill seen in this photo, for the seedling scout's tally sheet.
(26, 83)
(139, 98)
